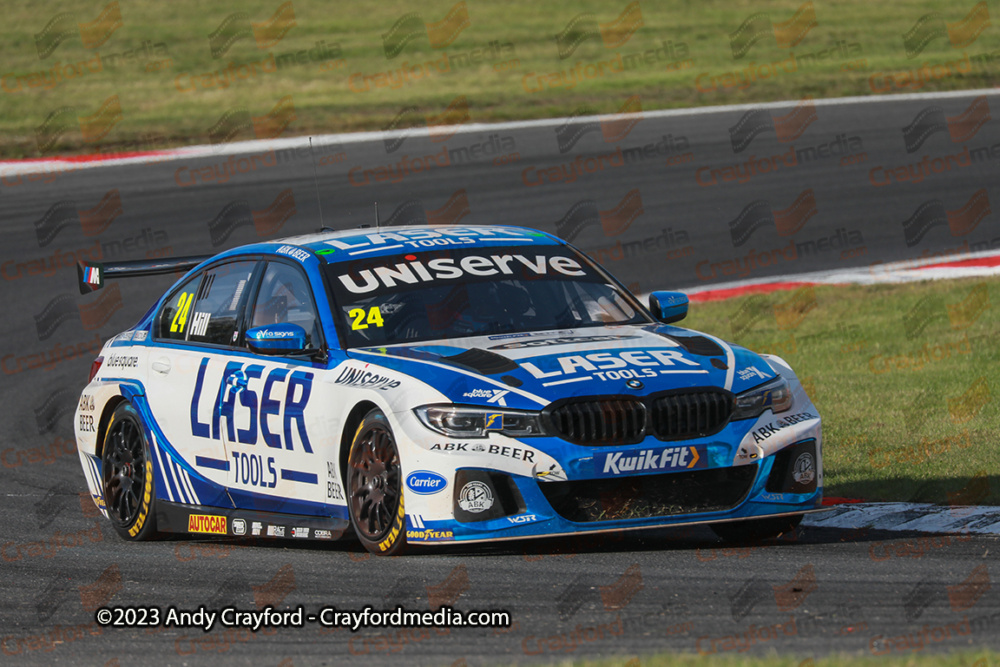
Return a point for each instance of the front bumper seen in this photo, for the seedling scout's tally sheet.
(540, 487)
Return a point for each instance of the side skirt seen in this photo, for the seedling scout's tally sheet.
(200, 520)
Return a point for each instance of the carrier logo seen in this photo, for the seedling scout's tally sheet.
(656, 460)
(207, 523)
(425, 483)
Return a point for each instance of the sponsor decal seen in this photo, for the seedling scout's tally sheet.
(274, 419)
(255, 528)
(207, 523)
(804, 469)
(507, 451)
(291, 251)
(609, 366)
(425, 483)
(300, 532)
(428, 535)
(414, 271)
(120, 361)
(666, 459)
(356, 377)
(492, 396)
(321, 534)
(564, 340)
(276, 531)
(475, 497)
(522, 518)
(239, 527)
(752, 372)
(762, 433)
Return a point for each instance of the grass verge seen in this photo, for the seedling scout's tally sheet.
(188, 72)
(903, 375)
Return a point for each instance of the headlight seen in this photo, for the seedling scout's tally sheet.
(462, 422)
(775, 395)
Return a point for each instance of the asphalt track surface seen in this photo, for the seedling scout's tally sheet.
(828, 590)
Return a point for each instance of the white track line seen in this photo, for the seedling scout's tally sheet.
(917, 517)
(15, 167)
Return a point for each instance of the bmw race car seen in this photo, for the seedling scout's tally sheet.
(425, 384)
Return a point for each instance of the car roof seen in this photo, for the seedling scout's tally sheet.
(348, 244)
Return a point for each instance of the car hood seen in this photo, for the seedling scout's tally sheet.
(531, 370)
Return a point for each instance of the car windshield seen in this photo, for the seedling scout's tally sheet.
(452, 293)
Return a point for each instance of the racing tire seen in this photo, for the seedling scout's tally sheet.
(756, 530)
(127, 472)
(375, 487)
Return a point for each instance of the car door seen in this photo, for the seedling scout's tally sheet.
(283, 434)
(195, 336)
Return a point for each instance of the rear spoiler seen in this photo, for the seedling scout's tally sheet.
(91, 275)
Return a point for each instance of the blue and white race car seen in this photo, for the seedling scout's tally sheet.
(433, 384)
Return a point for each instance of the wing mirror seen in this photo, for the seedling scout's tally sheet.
(277, 339)
(668, 306)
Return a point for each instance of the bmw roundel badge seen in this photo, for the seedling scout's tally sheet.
(634, 384)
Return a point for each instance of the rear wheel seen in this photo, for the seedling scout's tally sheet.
(755, 530)
(375, 487)
(127, 472)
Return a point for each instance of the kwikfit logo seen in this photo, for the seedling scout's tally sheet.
(659, 460)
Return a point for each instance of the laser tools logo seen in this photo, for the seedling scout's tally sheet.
(613, 35)
(960, 34)
(759, 26)
(411, 26)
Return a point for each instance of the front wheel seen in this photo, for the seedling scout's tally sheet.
(127, 472)
(375, 487)
(755, 530)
